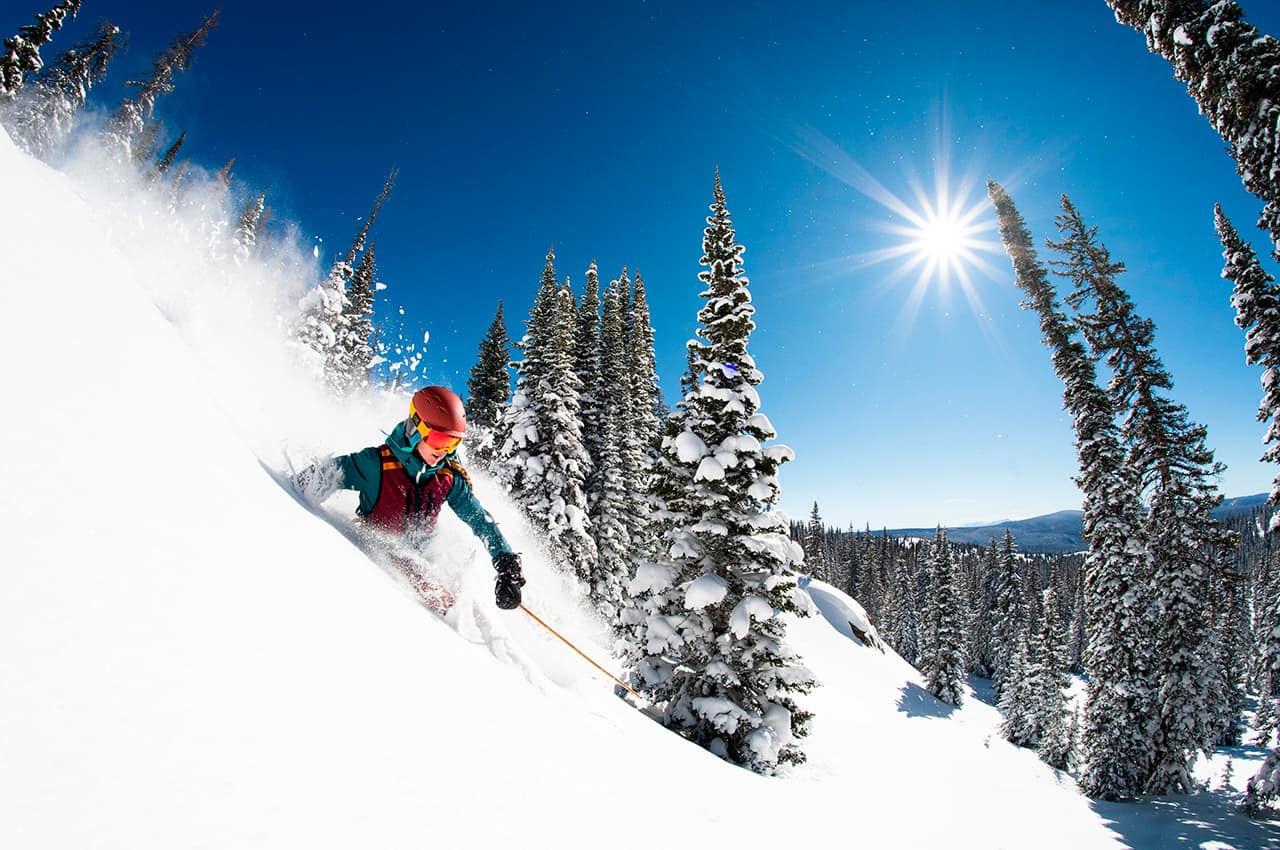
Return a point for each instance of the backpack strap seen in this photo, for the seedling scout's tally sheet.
(456, 467)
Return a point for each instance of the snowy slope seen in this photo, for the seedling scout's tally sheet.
(189, 658)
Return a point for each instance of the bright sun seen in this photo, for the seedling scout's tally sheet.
(942, 237)
(941, 241)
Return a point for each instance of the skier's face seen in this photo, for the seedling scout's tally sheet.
(431, 457)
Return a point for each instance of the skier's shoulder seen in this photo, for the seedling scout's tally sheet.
(459, 473)
(363, 465)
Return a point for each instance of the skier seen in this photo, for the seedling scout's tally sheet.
(404, 482)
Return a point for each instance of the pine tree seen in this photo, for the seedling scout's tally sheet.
(1009, 618)
(644, 431)
(901, 628)
(943, 663)
(542, 461)
(1052, 722)
(357, 324)
(131, 116)
(1118, 709)
(586, 363)
(147, 143)
(246, 232)
(1257, 301)
(1077, 639)
(1231, 615)
(1232, 72)
(22, 51)
(815, 555)
(1016, 702)
(1267, 651)
(325, 323)
(166, 162)
(1167, 454)
(609, 512)
(1264, 787)
(488, 390)
(713, 653)
(42, 116)
(978, 603)
(871, 589)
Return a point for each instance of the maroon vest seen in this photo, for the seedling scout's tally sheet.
(405, 506)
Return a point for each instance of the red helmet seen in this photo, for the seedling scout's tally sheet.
(441, 409)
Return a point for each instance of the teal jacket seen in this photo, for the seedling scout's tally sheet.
(362, 472)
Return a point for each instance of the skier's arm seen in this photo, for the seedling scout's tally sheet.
(361, 471)
(468, 508)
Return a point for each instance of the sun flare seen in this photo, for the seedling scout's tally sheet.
(941, 238)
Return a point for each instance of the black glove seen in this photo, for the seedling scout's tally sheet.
(506, 589)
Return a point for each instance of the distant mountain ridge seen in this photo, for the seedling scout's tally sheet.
(1055, 533)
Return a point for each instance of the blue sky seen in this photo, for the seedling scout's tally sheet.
(597, 127)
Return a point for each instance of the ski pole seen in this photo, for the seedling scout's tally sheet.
(538, 620)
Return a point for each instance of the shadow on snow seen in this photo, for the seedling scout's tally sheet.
(915, 701)
(1209, 819)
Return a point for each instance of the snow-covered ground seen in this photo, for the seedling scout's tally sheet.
(190, 658)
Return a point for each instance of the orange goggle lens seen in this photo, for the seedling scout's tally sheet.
(438, 441)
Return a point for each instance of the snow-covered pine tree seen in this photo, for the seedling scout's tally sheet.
(645, 423)
(815, 545)
(320, 324)
(1266, 651)
(586, 363)
(1168, 456)
(22, 51)
(1233, 73)
(131, 116)
(713, 651)
(1016, 703)
(1264, 787)
(164, 163)
(324, 324)
(1077, 640)
(871, 584)
(542, 460)
(978, 608)
(488, 391)
(246, 232)
(42, 116)
(357, 325)
(1032, 595)
(147, 144)
(1118, 619)
(900, 613)
(943, 662)
(1008, 615)
(1231, 619)
(1257, 301)
(1052, 722)
(609, 521)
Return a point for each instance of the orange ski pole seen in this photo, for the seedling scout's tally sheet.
(538, 620)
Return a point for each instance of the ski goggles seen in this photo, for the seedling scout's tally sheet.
(439, 442)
